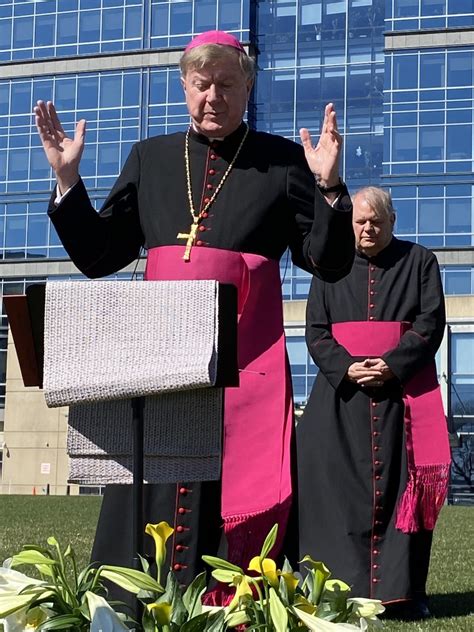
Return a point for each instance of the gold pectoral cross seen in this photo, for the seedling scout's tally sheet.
(191, 236)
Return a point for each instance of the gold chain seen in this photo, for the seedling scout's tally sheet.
(191, 236)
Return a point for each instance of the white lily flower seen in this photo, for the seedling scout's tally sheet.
(366, 608)
(21, 621)
(321, 625)
(103, 616)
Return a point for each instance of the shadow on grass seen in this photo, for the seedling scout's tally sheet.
(452, 604)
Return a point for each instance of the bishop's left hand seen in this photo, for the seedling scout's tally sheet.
(323, 160)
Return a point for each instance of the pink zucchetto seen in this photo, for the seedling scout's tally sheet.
(215, 37)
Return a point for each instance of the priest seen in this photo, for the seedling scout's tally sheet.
(373, 448)
(224, 202)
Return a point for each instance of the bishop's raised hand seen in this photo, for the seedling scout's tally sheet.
(323, 159)
(63, 153)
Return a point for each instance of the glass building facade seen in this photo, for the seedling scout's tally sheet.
(400, 73)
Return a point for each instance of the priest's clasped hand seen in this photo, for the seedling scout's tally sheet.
(370, 372)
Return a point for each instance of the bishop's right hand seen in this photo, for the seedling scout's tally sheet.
(63, 153)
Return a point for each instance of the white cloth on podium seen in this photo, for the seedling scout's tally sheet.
(106, 342)
(182, 439)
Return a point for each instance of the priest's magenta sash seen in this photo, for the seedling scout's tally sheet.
(427, 443)
(258, 415)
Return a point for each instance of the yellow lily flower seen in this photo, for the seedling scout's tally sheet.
(243, 588)
(161, 612)
(160, 533)
(267, 568)
(291, 583)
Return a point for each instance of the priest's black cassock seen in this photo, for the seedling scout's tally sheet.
(352, 464)
(269, 202)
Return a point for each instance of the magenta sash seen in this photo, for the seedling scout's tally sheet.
(427, 442)
(258, 415)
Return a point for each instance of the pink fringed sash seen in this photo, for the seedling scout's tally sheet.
(258, 415)
(427, 443)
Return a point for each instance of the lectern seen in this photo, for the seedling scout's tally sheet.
(142, 366)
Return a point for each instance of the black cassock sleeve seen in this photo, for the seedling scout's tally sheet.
(101, 243)
(419, 345)
(325, 241)
(331, 358)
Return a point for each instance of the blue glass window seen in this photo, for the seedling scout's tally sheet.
(205, 15)
(89, 26)
(21, 96)
(459, 142)
(67, 28)
(460, 68)
(23, 33)
(433, 7)
(133, 22)
(112, 24)
(181, 15)
(37, 230)
(159, 19)
(432, 69)
(430, 216)
(458, 215)
(405, 217)
(431, 143)
(87, 92)
(15, 231)
(403, 144)
(405, 72)
(110, 91)
(65, 94)
(229, 14)
(405, 8)
(457, 281)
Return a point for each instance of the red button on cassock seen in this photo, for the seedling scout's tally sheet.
(376, 448)
(179, 547)
(180, 528)
(375, 565)
(213, 156)
(202, 228)
(183, 491)
(371, 317)
(212, 172)
(375, 551)
(374, 580)
(378, 493)
(206, 201)
(372, 281)
(372, 268)
(372, 306)
(177, 567)
(209, 187)
(181, 510)
(204, 215)
(199, 242)
(378, 477)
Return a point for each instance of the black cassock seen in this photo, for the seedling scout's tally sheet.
(269, 202)
(352, 464)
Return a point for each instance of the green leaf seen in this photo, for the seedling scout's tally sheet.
(62, 622)
(173, 596)
(226, 577)
(11, 603)
(320, 573)
(197, 624)
(193, 594)
(32, 556)
(278, 612)
(216, 622)
(217, 562)
(269, 542)
(130, 579)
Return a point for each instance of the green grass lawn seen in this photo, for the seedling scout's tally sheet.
(31, 519)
